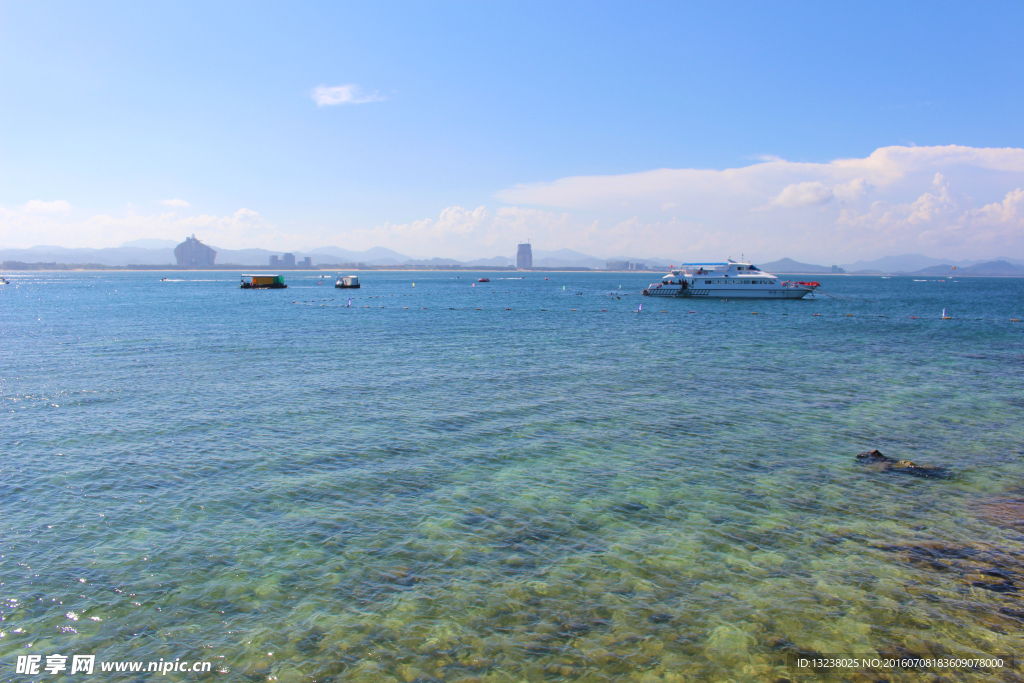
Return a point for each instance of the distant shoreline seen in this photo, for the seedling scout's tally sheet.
(99, 268)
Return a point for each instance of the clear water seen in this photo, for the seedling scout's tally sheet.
(429, 486)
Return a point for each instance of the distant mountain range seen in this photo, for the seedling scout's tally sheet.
(908, 264)
(153, 252)
(150, 252)
(788, 265)
(978, 270)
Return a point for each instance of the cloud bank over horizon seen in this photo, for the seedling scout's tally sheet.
(942, 201)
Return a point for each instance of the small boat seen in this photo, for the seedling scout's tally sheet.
(263, 281)
(347, 282)
(484, 279)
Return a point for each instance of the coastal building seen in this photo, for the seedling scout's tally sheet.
(307, 262)
(192, 252)
(837, 269)
(624, 265)
(288, 260)
(275, 260)
(524, 257)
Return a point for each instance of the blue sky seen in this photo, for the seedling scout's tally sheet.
(109, 110)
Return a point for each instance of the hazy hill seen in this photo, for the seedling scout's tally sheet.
(378, 256)
(904, 263)
(155, 252)
(152, 244)
(989, 268)
(112, 256)
(788, 265)
(912, 263)
(563, 258)
(493, 261)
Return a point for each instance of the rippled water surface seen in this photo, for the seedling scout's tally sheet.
(524, 480)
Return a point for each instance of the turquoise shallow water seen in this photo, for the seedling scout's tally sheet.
(429, 486)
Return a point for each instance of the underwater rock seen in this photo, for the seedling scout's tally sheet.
(980, 567)
(872, 456)
(257, 672)
(660, 618)
(791, 651)
(878, 462)
(573, 629)
(1006, 512)
(310, 643)
(728, 644)
(631, 506)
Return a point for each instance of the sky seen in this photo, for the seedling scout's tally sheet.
(820, 132)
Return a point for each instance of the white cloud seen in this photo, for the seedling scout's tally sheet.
(39, 206)
(952, 202)
(174, 202)
(349, 93)
(466, 234)
(803, 194)
(839, 210)
(851, 191)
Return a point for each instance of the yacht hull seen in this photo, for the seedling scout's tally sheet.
(722, 293)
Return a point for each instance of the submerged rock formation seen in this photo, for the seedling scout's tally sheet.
(878, 462)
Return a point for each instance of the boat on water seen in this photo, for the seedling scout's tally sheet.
(263, 281)
(347, 282)
(484, 279)
(729, 280)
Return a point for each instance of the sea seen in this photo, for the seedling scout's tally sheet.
(545, 477)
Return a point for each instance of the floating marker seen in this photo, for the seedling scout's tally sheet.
(563, 288)
(414, 284)
(349, 304)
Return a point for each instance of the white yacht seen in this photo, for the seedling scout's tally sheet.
(729, 280)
